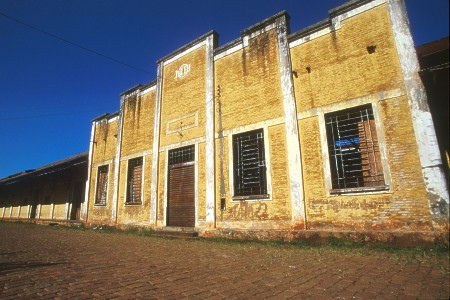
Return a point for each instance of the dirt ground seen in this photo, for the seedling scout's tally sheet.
(38, 261)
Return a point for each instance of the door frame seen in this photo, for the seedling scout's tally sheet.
(166, 181)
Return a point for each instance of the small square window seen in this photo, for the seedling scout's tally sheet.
(102, 185)
(354, 153)
(134, 181)
(249, 165)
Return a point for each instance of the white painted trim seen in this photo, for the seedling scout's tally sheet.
(181, 128)
(244, 129)
(102, 163)
(10, 211)
(336, 23)
(66, 207)
(115, 201)
(210, 133)
(229, 51)
(198, 140)
(106, 120)
(261, 31)
(147, 90)
(382, 146)
(155, 156)
(85, 205)
(166, 182)
(427, 146)
(113, 119)
(195, 184)
(325, 153)
(310, 37)
(358, 101)
(291, 124)
(137, 154)
(187, 51)
(52, 210)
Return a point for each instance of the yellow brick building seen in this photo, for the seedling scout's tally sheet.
(326, 128)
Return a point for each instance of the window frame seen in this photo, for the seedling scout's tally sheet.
(107, 167)
(127, 185)
(387, 187)
(259, 197)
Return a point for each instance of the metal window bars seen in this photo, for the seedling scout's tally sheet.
(249, 164)
(102, 185)
(134, 188)
(355, 160)
(181, 156)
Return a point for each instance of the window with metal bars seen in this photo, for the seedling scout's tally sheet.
(182, 155)
(249, 165)
(102, 185)
(353, 149)
(134, 182)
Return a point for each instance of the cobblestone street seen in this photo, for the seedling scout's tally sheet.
(54, 262)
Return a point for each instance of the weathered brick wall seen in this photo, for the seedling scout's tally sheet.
(342, 69)
(104, 149)
(105, 139)
(134, 214)
(249, 80)
(137, 137)
(138, 118)
(182, 97)
(250, 93)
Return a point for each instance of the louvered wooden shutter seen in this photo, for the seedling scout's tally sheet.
(134, 190)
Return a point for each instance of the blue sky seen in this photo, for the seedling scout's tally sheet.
(50, 90)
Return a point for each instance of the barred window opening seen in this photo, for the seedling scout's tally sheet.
(102, 185)
(134, 188)
(355, 160)
(182, 155)
(249, 164)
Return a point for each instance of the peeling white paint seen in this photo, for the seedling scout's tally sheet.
(290, 113)
(429, 155)
(229, 51)
(210, 141)
(196, 184)
(114, 201)
(66, 207)
(155, 156)
(52, 209)
(85, 205)
(191, 49)
(336, 23)
(137, 154)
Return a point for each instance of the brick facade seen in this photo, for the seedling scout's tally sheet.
(284, 87)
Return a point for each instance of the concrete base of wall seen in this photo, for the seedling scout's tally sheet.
(394, 238)
(46, 221)
(313, 237)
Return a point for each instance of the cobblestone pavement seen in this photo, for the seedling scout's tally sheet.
(48, 262)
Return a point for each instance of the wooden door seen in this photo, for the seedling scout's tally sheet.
(181, 200)
(181, 187)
